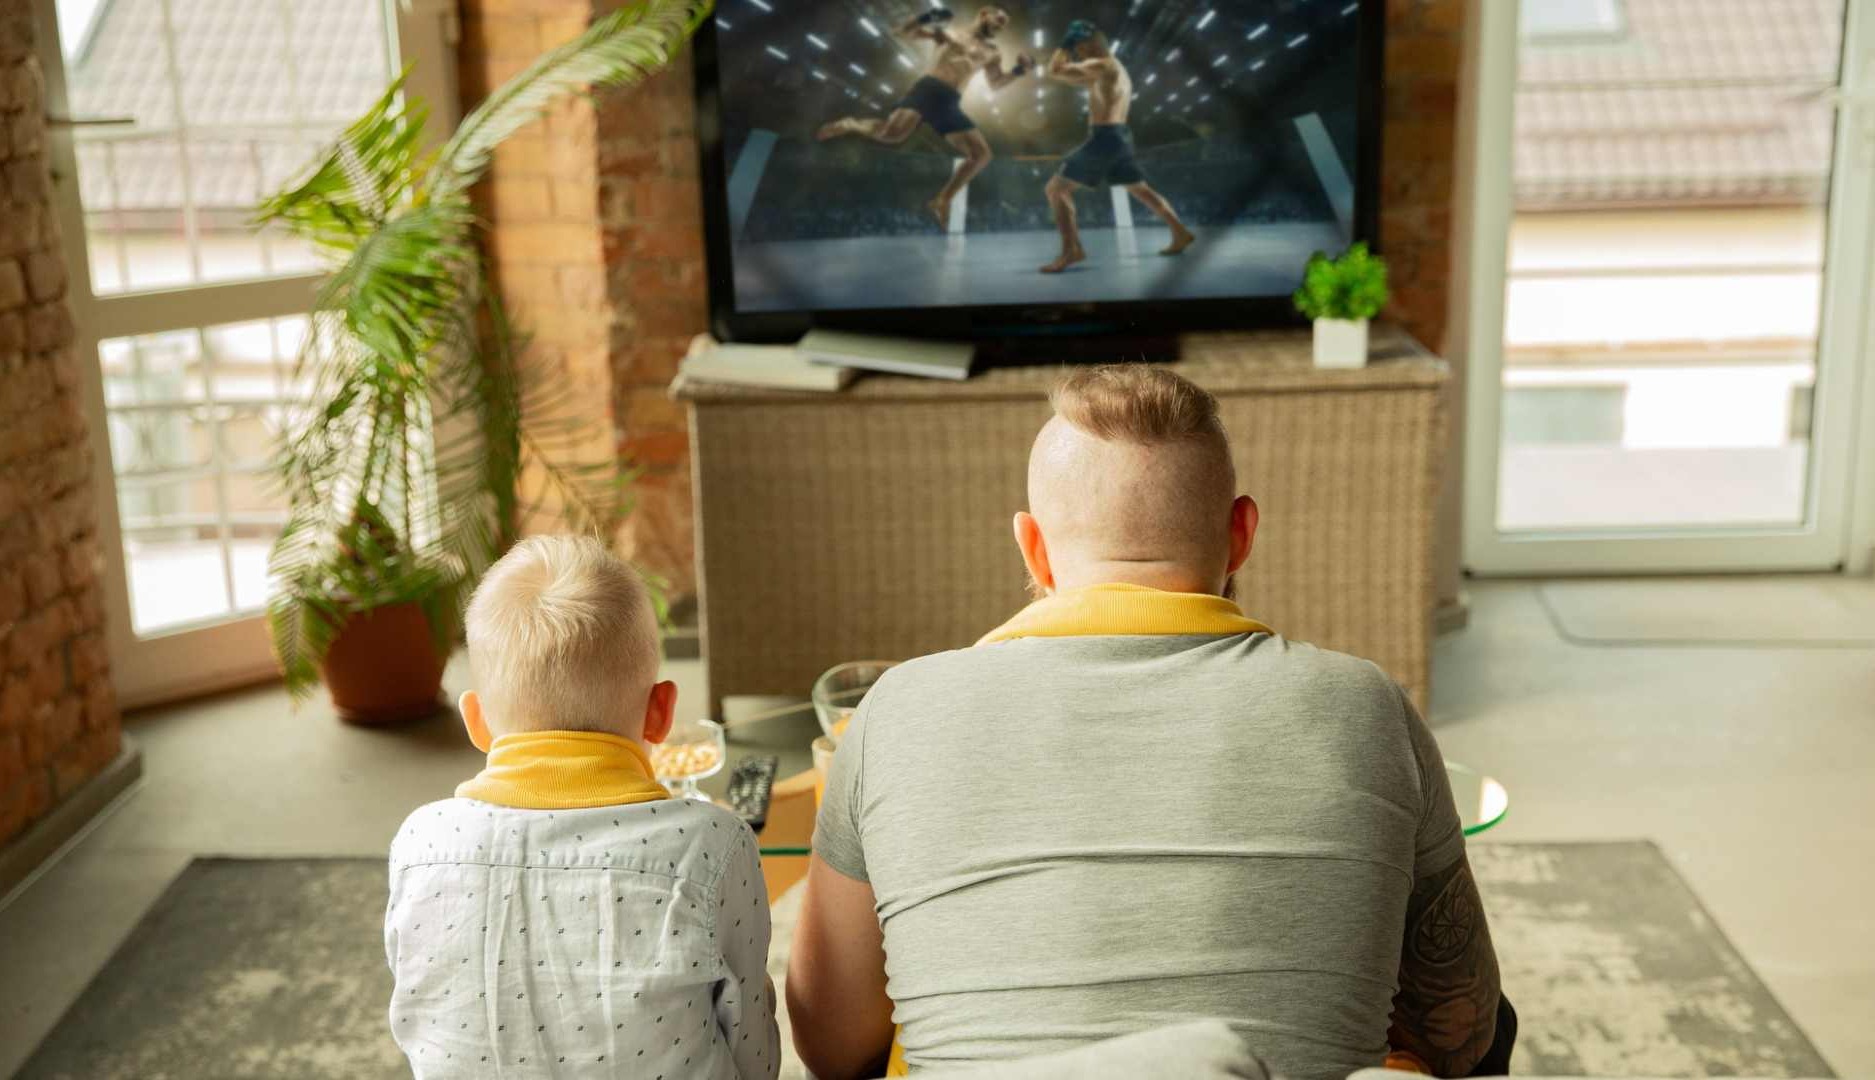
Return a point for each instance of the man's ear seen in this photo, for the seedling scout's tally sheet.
(660, 710)
(472, 720)
(1034, 550)
(1243, 531)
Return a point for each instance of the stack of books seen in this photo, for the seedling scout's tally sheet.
(824, 360)
(780, 367)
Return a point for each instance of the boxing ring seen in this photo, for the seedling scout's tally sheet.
(955, 266)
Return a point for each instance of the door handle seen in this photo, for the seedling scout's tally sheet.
(89, 121)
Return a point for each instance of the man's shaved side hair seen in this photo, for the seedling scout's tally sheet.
(1134, 468)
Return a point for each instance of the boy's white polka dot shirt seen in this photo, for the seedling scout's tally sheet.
(626, 941)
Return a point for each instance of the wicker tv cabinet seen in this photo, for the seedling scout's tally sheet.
(874, 523)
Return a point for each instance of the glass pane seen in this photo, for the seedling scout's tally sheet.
(1666, 263)
(193, 418)
(230, 101)
(173, 549)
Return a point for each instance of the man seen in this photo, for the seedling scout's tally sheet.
(1131, 805)
(937, 97)
(1106, 158)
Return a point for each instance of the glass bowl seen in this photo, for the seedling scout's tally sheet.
(693, 751)
(838, 691)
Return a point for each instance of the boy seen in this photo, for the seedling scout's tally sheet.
(563, 915)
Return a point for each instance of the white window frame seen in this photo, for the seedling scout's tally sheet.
(1836, 532)
(194, 659)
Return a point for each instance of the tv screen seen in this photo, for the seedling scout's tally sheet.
(965, 167)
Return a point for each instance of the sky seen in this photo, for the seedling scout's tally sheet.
(74, 17)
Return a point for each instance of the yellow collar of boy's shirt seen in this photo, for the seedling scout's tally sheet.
(1095, 610)
(564, 770)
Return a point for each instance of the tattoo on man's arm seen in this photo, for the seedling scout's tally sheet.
(1446, 1011)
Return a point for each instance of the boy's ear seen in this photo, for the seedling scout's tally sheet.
(660, 709)
(471, 708)
(1244, 517)
(1034, 551)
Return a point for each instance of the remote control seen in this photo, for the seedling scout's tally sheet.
(749, 788)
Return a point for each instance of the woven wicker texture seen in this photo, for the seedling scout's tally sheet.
(876, 523)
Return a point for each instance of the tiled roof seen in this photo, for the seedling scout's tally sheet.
(260, 86)
(1704, 100)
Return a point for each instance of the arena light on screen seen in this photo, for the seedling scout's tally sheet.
(883, 155)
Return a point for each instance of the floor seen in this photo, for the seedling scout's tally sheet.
(1752, 766)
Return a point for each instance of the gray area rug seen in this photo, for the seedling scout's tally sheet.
(275, 968)
(1616, 969)
(243, 968)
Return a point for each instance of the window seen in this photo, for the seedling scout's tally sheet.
(1547, 20)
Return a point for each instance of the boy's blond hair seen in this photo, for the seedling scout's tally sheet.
(562, 636)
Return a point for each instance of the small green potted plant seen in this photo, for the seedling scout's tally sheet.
(1341, 295)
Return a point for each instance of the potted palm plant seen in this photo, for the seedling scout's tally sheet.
(425, 436)
(1341, 295)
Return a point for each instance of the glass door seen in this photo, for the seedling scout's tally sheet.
(1673, 248)
(170, 120)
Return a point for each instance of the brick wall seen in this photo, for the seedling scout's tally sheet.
(597, 248)
(1425, 48)
(58, 715)
(641, 148)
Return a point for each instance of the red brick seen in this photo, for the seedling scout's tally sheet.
(1415, 55)
(1443, 16)
(88, 608)
(655, 448)
(574, 200)
(508, 36)
(516, 199)
(27, 180)
(651, 409)
(19, 231)
(475, 9)
(544, 242)
(12, 761)
(12, 597)
(12, 284)
(89, 660)
(27, 133)
(16, 699)
(47, 678)
(45, 275)
(48, 327)
(44, 579)
(24, 805)
(558, 29)
(65, 371)
(82, 758)
(100, 706)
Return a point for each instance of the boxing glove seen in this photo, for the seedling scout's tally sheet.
(936, 16)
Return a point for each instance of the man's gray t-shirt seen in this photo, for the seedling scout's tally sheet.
(1074, 838)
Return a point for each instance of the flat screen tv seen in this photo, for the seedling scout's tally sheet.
(895, 166)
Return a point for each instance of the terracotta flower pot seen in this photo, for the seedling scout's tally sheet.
(383, 668)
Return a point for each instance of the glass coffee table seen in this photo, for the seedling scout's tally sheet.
(1482, 802)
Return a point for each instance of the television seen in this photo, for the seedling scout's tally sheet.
(900, 167)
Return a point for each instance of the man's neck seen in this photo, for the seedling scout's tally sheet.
(1166, 577)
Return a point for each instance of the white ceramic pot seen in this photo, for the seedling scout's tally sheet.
(1340, 343)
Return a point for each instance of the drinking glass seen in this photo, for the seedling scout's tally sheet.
(838, 691)
(823, 760)
(693, 751)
